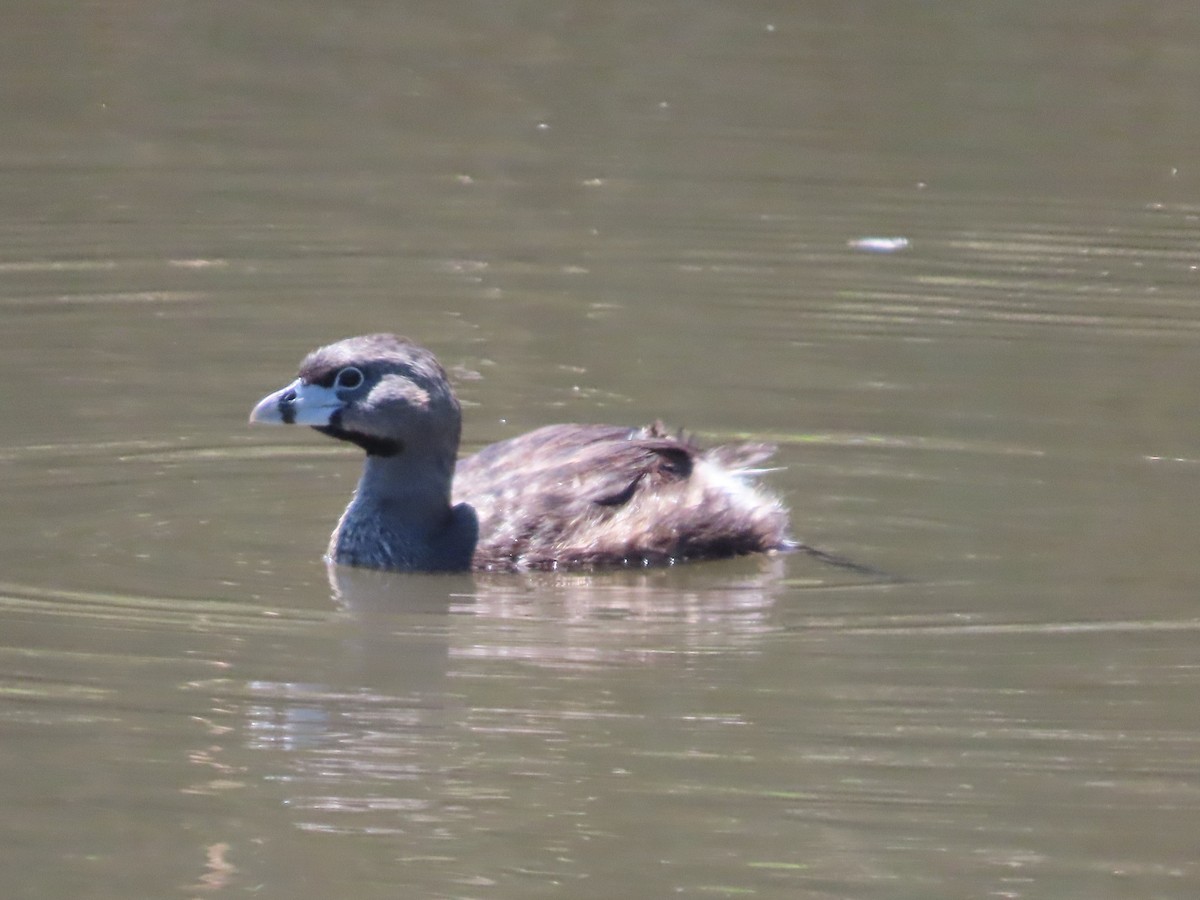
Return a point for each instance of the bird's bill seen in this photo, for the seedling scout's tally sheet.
(297, 404)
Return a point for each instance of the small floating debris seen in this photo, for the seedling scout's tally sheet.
(879, 244)
(197, 263)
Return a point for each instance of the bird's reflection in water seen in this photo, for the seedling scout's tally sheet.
(443, 686)
(549, 618)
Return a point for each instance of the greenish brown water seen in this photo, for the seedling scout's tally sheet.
(606, 212)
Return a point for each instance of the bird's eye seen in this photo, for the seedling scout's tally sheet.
(348, 379)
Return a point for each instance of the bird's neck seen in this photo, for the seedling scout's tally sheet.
(412, 484)
(400, 516)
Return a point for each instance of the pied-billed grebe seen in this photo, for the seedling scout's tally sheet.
(563, 496)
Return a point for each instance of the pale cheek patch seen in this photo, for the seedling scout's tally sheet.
(395, 387)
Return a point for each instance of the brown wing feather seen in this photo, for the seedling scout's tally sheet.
(597, 494)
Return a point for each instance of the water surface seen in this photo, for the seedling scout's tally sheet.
(615, 213)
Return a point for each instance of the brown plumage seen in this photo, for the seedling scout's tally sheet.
(561, 496)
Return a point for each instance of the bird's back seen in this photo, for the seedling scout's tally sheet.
(593, 495)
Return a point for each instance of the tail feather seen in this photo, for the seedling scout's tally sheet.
(741, 457)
